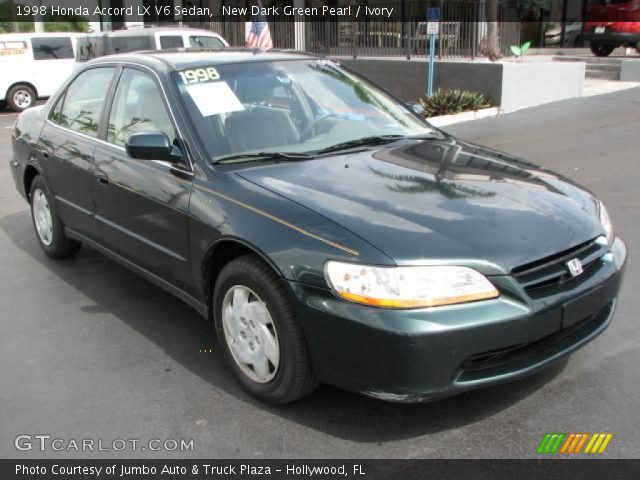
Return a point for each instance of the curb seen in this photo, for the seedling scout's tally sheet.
(444, 120)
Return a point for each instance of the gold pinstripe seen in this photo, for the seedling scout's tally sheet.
(279, 220)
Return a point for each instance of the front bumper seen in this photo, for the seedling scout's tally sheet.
(426, 354)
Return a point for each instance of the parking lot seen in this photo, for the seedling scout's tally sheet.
(90, 350)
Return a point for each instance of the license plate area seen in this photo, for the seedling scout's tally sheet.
(600, 29)
(582, 307)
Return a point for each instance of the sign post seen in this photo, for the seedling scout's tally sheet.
(433, 27)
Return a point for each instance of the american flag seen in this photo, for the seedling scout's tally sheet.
(257, 34)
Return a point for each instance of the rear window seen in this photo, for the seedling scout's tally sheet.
(204, 41)
(51, 48)
(130, 43)
(168, 42)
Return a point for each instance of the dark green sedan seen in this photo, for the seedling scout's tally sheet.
(328, 232)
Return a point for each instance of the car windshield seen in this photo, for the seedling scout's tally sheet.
(293, 107)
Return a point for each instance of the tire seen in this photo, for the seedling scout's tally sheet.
(289, 376)
(21, 97)
(49, 229)
(600, 50)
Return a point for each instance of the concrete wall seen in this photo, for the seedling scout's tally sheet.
(529, 84)
(509, 85)
(630, 71)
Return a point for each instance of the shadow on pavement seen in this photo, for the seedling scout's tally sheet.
(181, 332)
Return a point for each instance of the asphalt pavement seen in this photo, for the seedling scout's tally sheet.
(89, 350)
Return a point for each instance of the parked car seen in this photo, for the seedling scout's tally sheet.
(612, 24)
(328, 232)
(136, 39)
(572, 35)
(33, 66)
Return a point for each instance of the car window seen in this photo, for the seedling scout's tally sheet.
(137, 107)
(204, 41)
(288, 106)
(82, 104)
(132, 43)
(171, 41)
(91, 46)
(52, 48)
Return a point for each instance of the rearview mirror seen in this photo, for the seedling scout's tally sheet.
(152, 146)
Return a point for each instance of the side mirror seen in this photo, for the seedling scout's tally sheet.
(416, 107)
(152, 146)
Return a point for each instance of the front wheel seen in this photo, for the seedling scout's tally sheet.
(600, 50)
(49, 228)
(21, 97)
(260, 333)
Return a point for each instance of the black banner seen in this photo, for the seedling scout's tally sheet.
(321, 469)
(170, 12)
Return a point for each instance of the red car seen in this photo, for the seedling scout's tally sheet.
(611, 24)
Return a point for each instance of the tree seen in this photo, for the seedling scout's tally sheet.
(493, 40)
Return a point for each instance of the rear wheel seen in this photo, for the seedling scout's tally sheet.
(49, 228)
(260, 333)
(600, 50)
(21, 97)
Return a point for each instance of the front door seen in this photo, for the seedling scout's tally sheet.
(142, 205)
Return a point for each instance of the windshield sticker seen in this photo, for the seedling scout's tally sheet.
(214, 98)
(199, 75)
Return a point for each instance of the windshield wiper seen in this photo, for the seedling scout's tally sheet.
(372, 140)
(264, 156)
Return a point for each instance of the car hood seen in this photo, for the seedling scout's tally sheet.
(441, 200)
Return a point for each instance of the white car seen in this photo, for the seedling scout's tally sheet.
(34, 65)
(136, 39)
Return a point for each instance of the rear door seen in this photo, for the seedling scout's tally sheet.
(68, 141)
(142, 205)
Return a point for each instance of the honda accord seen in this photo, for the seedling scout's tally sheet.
(328, 232)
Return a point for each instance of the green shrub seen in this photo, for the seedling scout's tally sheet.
(448, 102)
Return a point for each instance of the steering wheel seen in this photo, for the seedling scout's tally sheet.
(314, 123)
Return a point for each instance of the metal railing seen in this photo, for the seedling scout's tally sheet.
(463, 32)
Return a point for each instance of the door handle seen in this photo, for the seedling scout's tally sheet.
(102, 178)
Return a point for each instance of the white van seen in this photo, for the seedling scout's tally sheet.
(139, 38)
(34, 65)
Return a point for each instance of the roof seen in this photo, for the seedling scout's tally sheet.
(178, 59)
(132, 32)
(42, 34)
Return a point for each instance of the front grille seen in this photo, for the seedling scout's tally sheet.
(553, 272)
(511, 358)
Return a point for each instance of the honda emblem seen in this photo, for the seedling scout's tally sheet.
(575, 267)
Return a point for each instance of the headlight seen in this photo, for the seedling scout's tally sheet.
(605, 220)
(407, 287)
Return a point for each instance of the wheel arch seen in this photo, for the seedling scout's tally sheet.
(219, 254)
(30, 172)
(22, 82)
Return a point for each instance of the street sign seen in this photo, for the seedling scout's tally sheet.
(433, 24)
